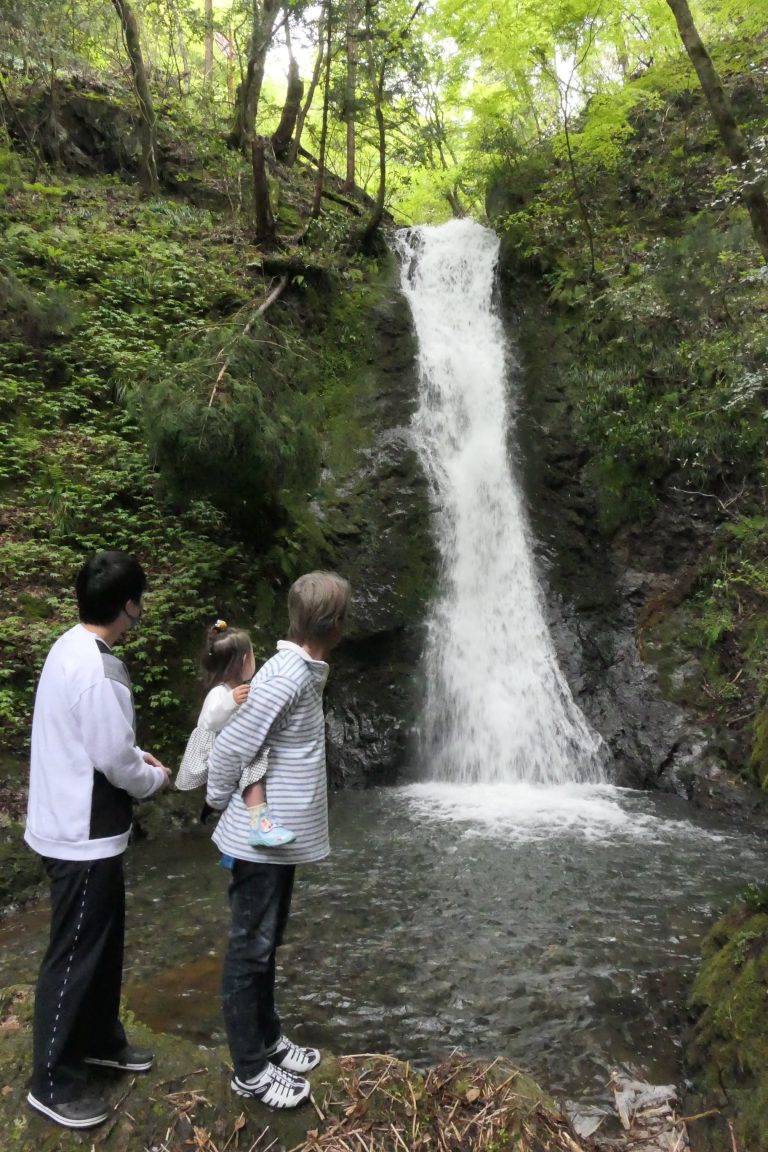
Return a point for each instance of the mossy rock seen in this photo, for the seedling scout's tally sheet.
(21, 869)
(758, 760)
(728, 1047)
(184, 1102)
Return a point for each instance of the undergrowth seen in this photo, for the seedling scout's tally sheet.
(137, 412)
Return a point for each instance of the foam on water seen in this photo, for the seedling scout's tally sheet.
(528, 812)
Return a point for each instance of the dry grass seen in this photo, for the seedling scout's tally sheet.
(381, 1104)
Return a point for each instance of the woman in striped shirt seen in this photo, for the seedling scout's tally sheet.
(283, 709)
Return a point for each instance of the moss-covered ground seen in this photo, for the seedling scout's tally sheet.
(728, 1047)
(370, 1102)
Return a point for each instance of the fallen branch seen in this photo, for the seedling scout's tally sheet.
(293, 265)
(320, 1115)
(724, 504)
(700, 1116)
(338, 199)
(181, 1079)
(274, 295)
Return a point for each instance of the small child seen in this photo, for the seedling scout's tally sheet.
(229, 665)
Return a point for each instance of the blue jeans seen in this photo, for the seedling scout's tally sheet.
(260, 900)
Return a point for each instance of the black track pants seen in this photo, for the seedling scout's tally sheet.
(78, 990)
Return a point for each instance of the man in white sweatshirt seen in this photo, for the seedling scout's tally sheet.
(85, 772)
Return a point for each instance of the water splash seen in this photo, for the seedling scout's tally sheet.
(498, 707)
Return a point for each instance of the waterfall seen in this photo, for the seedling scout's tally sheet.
(497, 708)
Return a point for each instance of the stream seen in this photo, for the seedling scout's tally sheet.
(557, 926)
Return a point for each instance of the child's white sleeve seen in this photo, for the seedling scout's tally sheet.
(269, 702)
(218, 709)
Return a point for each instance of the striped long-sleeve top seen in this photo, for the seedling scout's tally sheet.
(284, 709)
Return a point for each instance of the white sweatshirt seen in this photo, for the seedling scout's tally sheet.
(85, 766)
(218, 709)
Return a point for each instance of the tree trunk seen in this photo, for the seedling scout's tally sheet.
(320, 176)
(231, 66)
(208, 63)
(264, 17)
(147, 121)
(577, 191)
(186, 76)
(265, 220)
(736, 147)
(316, 74)
(281, 137)
(378, 210)
(376, 76)
(350, 94)
(458, 211)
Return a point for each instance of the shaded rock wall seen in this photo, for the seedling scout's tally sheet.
(596, 588)
(384, 546)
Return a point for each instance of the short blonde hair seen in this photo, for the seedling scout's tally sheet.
(317, 603)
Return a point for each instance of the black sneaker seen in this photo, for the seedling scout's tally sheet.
(85, 1113)
(128, 1059)
(274, 1087)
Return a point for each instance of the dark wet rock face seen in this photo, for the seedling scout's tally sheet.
(383, 544)
(597, 590)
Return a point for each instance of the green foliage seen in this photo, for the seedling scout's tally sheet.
(728, 1047)
(755, 897)
(669, 383)
(226, 417)
(116, 316)
(673, 382)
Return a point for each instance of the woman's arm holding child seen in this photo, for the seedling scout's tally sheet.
(268, 703)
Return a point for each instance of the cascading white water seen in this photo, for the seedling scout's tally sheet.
(498, 707)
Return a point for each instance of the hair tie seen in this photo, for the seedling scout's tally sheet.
(220, 626)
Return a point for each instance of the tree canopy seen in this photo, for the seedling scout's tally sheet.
(412, 102)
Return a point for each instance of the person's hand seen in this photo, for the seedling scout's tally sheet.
(240, 694)
(150, 759)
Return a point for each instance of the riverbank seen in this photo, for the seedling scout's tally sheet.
(372, 1102)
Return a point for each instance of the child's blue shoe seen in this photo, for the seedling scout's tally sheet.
(267, 834)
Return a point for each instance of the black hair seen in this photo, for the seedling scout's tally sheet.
(104, 585)
(225, 651)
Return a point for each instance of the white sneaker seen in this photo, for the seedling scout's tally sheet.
(274, 1087)
(292, 1057)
